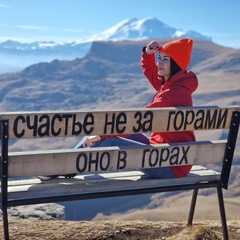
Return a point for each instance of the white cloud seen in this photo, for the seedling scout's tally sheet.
(40, 38)
(18, 39)
(3, 5)
(31, 27)
(73, 30)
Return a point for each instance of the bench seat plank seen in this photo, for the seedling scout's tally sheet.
(103, 182)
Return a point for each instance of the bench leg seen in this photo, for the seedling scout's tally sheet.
(192, 207)
(5, 223)
(222, 213)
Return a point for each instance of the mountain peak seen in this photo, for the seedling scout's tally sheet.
(147, 28)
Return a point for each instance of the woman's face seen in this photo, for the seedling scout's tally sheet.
(164, 65)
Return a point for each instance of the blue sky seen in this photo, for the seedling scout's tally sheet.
(69, 20)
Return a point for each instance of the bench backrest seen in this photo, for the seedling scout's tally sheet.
(23, 125)
(81, 123)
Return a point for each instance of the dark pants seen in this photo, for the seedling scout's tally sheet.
(133, 140)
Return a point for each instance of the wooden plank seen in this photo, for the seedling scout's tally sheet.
(196, 170)
(108, 159)
(77, 123)
(100, 183)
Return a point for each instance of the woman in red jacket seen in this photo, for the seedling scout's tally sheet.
(174, 86)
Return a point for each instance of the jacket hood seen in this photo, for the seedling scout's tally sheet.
(186, 79)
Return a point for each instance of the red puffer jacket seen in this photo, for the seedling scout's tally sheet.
(177, 92)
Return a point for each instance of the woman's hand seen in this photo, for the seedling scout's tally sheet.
(91, 140)
(153, 47)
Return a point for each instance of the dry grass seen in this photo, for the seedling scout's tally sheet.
(28, 229)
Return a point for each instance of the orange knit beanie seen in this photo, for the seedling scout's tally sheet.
(180, 51)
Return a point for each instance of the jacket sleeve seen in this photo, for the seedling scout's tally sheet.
(150, 69)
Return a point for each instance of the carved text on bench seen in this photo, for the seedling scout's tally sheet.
(151, 158)
(117, 122)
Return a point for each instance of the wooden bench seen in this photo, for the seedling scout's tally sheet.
(117, 168)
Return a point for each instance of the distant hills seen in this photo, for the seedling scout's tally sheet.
(18, 55)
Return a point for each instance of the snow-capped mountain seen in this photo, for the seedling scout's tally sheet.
(134, 29)
(18, 55)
